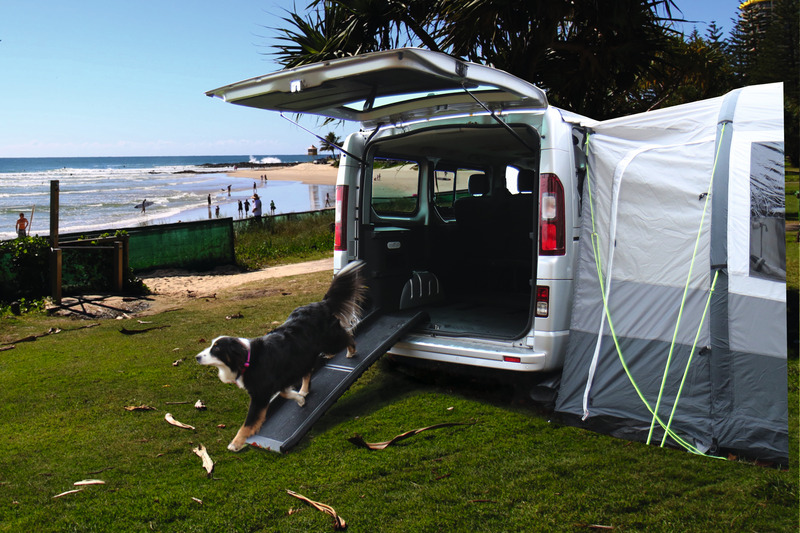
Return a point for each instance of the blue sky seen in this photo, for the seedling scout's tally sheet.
(121, 78)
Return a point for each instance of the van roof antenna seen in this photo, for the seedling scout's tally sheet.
(323, 139)
(497, 119)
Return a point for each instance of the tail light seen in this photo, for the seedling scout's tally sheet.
(340, 220)
(542, 301)
(552, 222)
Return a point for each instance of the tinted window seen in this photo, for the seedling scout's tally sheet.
(450, 185)
(395, 186)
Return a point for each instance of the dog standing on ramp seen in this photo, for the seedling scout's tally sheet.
(272, 364)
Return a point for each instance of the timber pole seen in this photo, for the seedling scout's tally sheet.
(55, 251)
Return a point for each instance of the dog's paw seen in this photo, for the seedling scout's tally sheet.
(235, 446)
(300, 399)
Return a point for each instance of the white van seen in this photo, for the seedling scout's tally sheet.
(461, 192)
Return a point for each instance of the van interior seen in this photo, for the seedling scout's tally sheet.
(449, 222)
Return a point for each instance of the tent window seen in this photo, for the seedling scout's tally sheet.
(767, 212)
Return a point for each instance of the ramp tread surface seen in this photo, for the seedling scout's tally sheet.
(287, 422)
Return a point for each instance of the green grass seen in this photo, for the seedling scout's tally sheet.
(281, 242)
(514, 469)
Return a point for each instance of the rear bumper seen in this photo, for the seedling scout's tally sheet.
(485, 354)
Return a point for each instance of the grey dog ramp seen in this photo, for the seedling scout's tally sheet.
(287, 422)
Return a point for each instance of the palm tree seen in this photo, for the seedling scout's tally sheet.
(587, 54)
(330, 143)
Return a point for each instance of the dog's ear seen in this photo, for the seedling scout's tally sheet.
(239, 351)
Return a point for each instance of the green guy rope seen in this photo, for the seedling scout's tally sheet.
(685, 289)
(691, 356)
(598, 265)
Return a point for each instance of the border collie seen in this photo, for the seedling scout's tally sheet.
(272, 364)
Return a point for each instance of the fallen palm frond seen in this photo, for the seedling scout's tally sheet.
(168, 417)
(358, 440)
(51, 331)
(125, 331)
(338, 521)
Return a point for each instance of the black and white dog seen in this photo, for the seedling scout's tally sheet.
(272, 364)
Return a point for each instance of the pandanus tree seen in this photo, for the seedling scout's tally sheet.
(588, 54)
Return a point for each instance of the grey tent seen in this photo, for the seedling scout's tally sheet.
(678, 332)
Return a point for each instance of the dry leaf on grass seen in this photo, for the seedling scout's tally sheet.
(202, 453)
(66, 493)
(338, 521)
(358, 440)
(142, 407)
(168, 417)
(199, 405)
(89, 482)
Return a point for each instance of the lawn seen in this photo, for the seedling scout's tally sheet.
(512, 468)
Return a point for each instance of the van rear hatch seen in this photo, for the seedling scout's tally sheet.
(385, 87)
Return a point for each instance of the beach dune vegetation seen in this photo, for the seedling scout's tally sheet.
(283, 240)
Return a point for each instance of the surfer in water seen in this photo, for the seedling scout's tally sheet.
(144, 205)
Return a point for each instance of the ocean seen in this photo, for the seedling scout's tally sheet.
(98, 193)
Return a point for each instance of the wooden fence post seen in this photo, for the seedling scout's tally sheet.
(55, 254)
(117, 273)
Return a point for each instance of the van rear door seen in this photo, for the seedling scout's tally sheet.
(385, 87)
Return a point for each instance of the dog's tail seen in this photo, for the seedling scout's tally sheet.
(347, 293)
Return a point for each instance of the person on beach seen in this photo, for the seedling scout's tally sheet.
(229, 190)
(21, 226)
(209, 201)
(246, 207)
(241, 209)
(256, 206)
(254, 187)
(216, 211)
(327, 199)
(272, 207)
(144, 205)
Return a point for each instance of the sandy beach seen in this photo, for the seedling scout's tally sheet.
(308, 173)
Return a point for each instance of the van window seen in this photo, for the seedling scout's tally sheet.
(450, 184)
(395, 186)
(511, 179)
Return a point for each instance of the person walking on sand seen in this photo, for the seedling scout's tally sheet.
(21, 226)
(246, 207)
(256, 206)
(241, 209)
